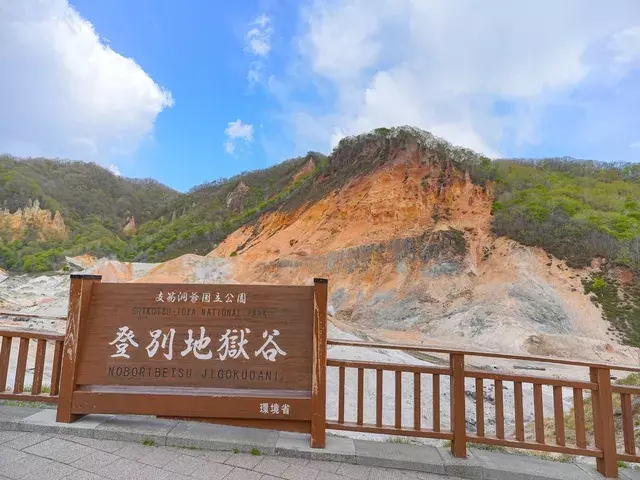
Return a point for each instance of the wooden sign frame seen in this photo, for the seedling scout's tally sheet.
(229, 406)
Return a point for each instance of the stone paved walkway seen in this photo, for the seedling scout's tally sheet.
(30, 455)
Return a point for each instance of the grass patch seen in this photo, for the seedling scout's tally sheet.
(147, 442)
(235, 451)
(405, 440)
(255, 452)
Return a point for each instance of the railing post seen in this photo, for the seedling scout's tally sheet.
(603, 424)
(79, 298)
(319, 387)
(458, 414)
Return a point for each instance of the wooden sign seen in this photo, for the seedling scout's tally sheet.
(250, 355)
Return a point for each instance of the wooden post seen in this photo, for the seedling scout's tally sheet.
(603, 424)
(79, 298)
(319, 386)
(458, 414)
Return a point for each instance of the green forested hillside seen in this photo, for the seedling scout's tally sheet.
(96, 204)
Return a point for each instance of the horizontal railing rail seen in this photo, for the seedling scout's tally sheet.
(37, 351)
(535, 417)
(8, 313)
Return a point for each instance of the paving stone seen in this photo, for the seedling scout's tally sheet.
(293, 460)
(212, 471)
(298, 472)
(505, 466)
(109, 446)
(26, 440)
(378, 473)
(215, 457)
(244, 460)
(469, 467)
(298, 445)
(81, 475)
(7, 436)
(133, 428)
(323, 465)
(184, 464)
(45, 421)
(96, 461)
(271, 466)
(133, 451)
(8, 455)
(332, 476)
(23, 465)
(243, 474)
(158, 456)
(357, 472)
(55, 471)
(222, 437)
(124, 468)
(393, 455)
(59, 450)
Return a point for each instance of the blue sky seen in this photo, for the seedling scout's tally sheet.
(187, 92)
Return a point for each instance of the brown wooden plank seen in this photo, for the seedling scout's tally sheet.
(288, 310)
(589, 452)
(79, 300)
(319, 366)
(56, 367)
(5, 354)
(379, 397)
(398, 400)
(393, 367)
(531, 379)
(360, 412)
(519, 412)
(479, 407)
(27, 397)
(87, 402)
(499, 399)
(436, 402)
(625, 389)
(558, 415)
(388, 430)
(38, 371)
(538, 413)
(578, 411)
(475, 353)
(9, 313)
(603, 423)
(417, 402)
(341, 380)
(458, 414)
(628, 458)
(21, 367)
(627, 424)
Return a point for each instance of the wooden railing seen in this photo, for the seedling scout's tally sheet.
(38, 352)
(549, 430)
(418, 407)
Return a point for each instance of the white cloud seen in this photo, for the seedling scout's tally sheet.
(626, 45)
(258, 45)
(237, 131)
(442, 65)
(259, 37)
(64, 92)
(635, 145)
(113, 168)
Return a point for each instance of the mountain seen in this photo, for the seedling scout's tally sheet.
(419, 238)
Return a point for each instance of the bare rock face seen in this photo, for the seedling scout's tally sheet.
(305, 170)
(130, 228)
(236, 199)
(47, 225)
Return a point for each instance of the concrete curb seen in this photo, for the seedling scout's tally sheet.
(480, 464)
